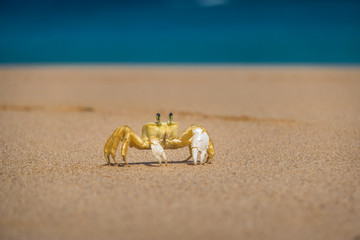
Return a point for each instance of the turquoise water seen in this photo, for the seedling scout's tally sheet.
(57, 31)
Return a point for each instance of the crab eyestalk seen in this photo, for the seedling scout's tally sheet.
(171, 117)
(158, 118)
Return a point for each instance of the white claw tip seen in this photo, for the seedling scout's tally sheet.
(200, 144)
(157, 149)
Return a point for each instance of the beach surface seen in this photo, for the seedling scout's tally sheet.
(287, 162)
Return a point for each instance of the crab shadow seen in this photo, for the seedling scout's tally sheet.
(149, 164)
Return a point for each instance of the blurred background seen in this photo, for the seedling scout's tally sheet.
(179, 31)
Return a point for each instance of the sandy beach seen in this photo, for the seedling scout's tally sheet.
(287, 163)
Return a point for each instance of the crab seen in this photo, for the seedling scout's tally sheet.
(158, 136)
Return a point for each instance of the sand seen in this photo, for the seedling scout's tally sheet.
(287, 161)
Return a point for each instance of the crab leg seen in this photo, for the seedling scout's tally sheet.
(203, 157)
(129, 138)
(125, 146)
(210, 152)
(112, 144)
(188, 157)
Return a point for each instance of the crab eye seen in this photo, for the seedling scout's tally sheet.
(158, 114)
(171, 114)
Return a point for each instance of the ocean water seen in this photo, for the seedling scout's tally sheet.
(203, 31)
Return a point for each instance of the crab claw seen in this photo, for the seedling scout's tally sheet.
(158, 150)
(200, 145)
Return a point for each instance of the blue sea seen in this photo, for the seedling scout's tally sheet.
(174, 31)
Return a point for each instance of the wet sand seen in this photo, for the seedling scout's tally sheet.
(287, 163)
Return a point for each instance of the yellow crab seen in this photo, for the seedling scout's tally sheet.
(158, 136)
